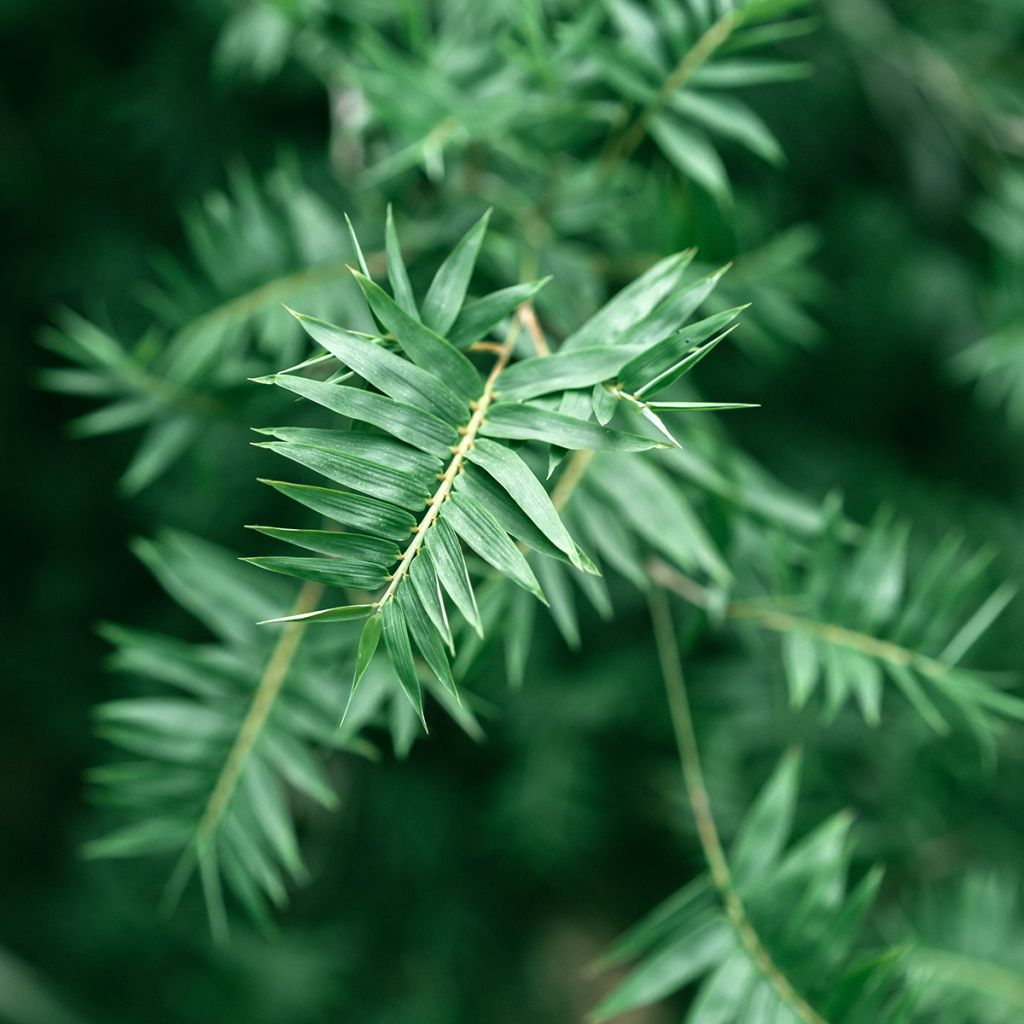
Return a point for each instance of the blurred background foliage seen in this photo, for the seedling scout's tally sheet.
(168, 165)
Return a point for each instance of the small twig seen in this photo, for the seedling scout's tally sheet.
(528, 318)
(700, 804)
(778, 621)
(701, 50)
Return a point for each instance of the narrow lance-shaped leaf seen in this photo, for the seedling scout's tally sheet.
(332, 571)
(663, 355)
(631, 304)
(673, 311)
(505, 466)
(479, 529)
(425, 636)
(414, 426)
(533, 423)
(367, 515)
(358, 546)
(690, 151)
(373, 478)
(444, 297)
(447, 559)
(424, 347)
(396, 640)
(683, 367)
(397, 274)
(428, 590)
(363, 445)
(542, 375)
(397, 377)
(477, 318)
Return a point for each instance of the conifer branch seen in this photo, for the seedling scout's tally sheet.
(454, 467)
(715, 36)
(700, 805)
(262, 703)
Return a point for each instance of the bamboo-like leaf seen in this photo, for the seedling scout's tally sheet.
(369, 638)
(512, 519)
(332, 571)
(414, 426)
(423, 346)
(663, 355)
(542, 375)
(444, 297)
(448, 562)
(633, 303)
(684, 366)
(690, 151)
(397, 274)
(362, 445)
(396, 640)
(477, 318)
(386, 371)
(372, 478)
(534, 423)
(428, 590)
(357, 546)
(366, 515)
(505, 466)
(480, 530)
(425, 636)
(342, 613)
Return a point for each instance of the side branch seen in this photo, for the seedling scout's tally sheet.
(263, 699)
(459, 452)
(700, 804)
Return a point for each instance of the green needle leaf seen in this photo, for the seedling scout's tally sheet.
(448, 289)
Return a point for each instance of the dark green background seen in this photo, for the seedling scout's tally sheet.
(471, 883)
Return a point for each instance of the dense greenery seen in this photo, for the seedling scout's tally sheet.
(648, 375)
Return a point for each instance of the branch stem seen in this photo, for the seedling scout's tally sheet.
(265, 694)
(779, 621)
(470, 431)
(691, 61)
(700, 805)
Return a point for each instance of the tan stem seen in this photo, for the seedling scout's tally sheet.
(469, 435)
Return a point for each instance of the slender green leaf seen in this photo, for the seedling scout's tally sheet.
(690, 151)
(372, 478)
(448, 562)
(533, 423)
(425, 636)
(663, 355)
(396, 640)
(477, 318)
(423, 346)
(480, 530)
(428, 590)
(403, 381)
(332, 571)
(448, 289)
(366, 515)
(397, 273)
(542, 375)
(505, 466)
(357, 546)
(414, 426)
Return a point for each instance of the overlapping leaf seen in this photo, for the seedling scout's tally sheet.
(790, 947)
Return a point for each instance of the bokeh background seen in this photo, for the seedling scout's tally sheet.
(475, 882)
